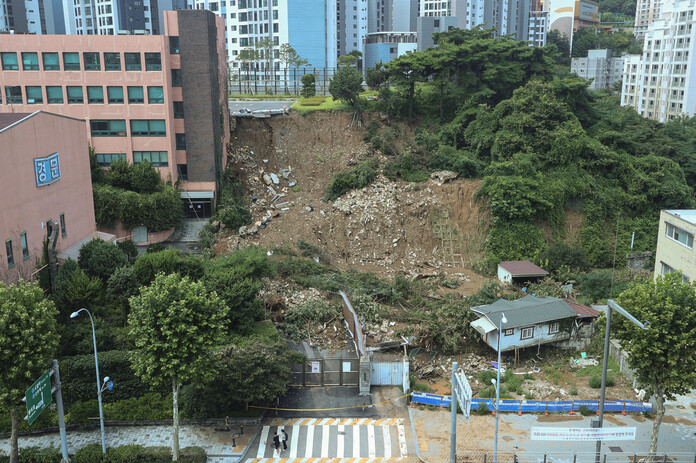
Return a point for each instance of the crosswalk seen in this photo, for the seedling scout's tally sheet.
(343, 440)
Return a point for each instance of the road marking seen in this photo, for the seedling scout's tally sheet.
(356, 441)
(341, 441)
(402, 441)
(294, 441)
(310, 442)
(371, 442)
(263, 442)
(387, 442)
(324, 441)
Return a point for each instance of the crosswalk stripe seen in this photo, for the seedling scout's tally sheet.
(341, 439)
(324, 441)
(262, 442)
(294, 441)
(387, 441)
(310, 442)
(371, 441)
(356, 441)
(402, 441)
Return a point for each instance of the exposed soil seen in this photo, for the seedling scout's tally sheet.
(677, 420)
(386, 228)
(558, 418)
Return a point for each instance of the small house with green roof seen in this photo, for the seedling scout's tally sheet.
(531, 321)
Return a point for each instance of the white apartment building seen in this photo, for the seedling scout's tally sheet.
(351, 26)
(630, 87)
(666, 78)
(647, 11)
(538, 28)
(600, 66)
(113, 17)
(436, 8)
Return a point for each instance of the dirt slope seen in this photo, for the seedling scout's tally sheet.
(388, 227)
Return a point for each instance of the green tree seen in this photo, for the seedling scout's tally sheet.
(351, 59)
(122, 285)
(346, 85)
(376, 77)
(101, 259)
(662, 356)
(247, 57)
(562, 44)
(27, 345)
(309, 88)
(167, 261)
(290, 58)
(176, 324)
(265, 51)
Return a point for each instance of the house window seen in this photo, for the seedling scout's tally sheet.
(95, 94)
(112, 61)
(174, 45)
(178, 110)
(71, 61)
(13, 95)
(508, 332)
(136, 95)
(75, 95)
(10, 255)
(25, 248)
(34, 95)
(181, 141)
(176, 77)
(115, 95)
(527, 333)
(9, 61)
(182, 169)
(153, 62)
(155, 95)
(554, 328)
(51, 62)
(682, 236)
(105, 159)
(54, 95)
(133, 62)
(669, 269)
(91, 61)
(30, 61)
(148, 128)
(156, 158)
(108, 128)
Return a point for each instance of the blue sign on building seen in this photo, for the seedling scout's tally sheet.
(47, 170)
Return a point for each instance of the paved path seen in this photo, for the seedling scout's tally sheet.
(334, 438)
(218, 445)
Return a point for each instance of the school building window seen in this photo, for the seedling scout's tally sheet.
(91, 61)
(51, 62)
(10, 255)
(148, 128)
(112, 61)
(115, 95)
(156, 158)
(71, 61)
(135, 95)
(13, 94)
(133, 62)
(181, 141)
(182, 170)
(174, 45)
(95, 94)
(176, 77)
(30, 61)
(34, 95)
(9, 61)
(108, 128)
(63, 230)
(75, 95)
(153, 62)
(155, 95)
(54, 95)
(178, 110)
(105, 159)
(25, 248)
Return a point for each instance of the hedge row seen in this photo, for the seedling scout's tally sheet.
(124, 454)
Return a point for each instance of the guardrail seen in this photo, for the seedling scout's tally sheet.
(536, 406)
(582, 457)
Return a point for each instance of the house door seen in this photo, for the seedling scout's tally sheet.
(140, 234)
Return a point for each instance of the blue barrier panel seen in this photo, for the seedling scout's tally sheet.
(428, 399)
(562, 406)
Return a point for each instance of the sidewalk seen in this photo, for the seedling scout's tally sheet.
(677, 434)
(218, 445)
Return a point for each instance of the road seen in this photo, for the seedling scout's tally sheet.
(256, 105)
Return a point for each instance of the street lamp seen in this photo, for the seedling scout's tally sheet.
(100, 386)
(611, 305)
(503, 320)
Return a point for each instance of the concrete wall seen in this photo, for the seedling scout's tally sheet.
(30, 205)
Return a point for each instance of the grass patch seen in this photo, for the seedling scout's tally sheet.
(329, 104)
(313, 101)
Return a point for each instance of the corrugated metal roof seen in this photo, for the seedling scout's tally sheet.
(582, 310)
(522, 268)
(527, 311)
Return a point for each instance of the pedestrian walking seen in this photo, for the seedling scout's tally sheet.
(285, 439)
(276, 443)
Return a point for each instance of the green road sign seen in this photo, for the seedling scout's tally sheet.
(38, 397)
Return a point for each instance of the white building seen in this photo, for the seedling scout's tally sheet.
(31, 16)
(538, 28)
(112, 17)
(600, 66)
(665, 77)
(351, 26)
(630, 87)
(647, 11)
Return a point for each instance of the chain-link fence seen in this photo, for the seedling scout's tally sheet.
(279, 82)
(588, 457)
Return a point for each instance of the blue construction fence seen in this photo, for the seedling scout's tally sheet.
(536, 406)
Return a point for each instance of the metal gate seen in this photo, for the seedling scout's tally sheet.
(326, 372)
(140, 234)
(388, 373)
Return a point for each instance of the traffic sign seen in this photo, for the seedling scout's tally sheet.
(462, 391)
(38, 397)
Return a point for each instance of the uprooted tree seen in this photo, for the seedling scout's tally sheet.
(663, 355)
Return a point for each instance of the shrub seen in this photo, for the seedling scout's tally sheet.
(234, 216)
(167, 261)
(91, 453)
(238, 291)
(122, 285)
(77, 292)
(155, 247)
(129, 249)
(107, 204)
(561, 255)
(514, 241)
(597, 285)
(406, 168)
(359, 177)
(144, 178)
(39, 455)
(232, 209)
(574, 391)
(462, 162)
(101, 259)
(192, 455)
(313, 101)
(482, 408)
(596, 382)
(63, 279)
(308, 85)
(584, 410)
(81, 412)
